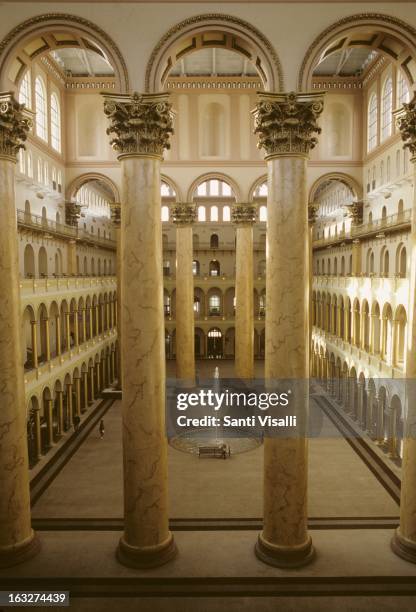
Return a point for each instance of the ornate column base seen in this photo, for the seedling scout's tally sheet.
(147, 556)
(404, 548)
(284, 556)
(24, 551)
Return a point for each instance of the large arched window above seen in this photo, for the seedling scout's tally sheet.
(387, 108)
(261, 191)
(166, 191)
(25, 93)
(213, 188)
(41, 110)
(55, 123)
(403, 93)
(372, 122)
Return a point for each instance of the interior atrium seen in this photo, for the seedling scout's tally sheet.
(190, 194)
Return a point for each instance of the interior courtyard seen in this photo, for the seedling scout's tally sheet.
(192, 194)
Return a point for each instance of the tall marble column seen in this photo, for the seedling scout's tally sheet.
(285, 124)
(244, 216)
(17, 538)
(404, 540)
(184, 215)
(141, 126)
(116, 220)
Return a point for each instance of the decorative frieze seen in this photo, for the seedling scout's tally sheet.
(141, 124)
(183, 213)
(244, 214)
(406, 122)
(286, 123)
(14, 126)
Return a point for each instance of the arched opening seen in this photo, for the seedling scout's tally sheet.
(215, 344)
(29, 262)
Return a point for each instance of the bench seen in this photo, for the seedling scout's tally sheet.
(220, 451)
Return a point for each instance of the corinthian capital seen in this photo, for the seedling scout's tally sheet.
(14, 126)
(244, 214)
(406, 122)
(183, 213)
(141, 124)
(355, 212)
(286, 123)
(115, 208)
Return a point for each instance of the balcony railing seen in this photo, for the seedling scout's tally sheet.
(396, 221)
(42, 224)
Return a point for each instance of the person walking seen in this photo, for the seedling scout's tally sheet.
(102, 429)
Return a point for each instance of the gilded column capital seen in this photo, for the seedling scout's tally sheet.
(355, 212)
(183, 213)
(115, 208)
(244, 214)
(285, 122)
(141, 123)
(15, 124)
(406, 122)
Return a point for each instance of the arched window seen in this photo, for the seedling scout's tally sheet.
(386, 109)
(263, 213)
(41, 110)
(25, 96)
(29, 165)
(165, 213)
(55, 123)
(201, 213)
(214, 242)
(372, 122)
(214, 213)
(226, 213)
(403, 94)
(195, 267)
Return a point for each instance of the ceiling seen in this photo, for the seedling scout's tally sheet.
(213, 62)
(82, 62)
(346, 62)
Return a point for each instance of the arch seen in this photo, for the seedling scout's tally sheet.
(29, 34)
(175, 188)
(42, 262)
(78, 182)
(29, 262)
(388, 35)
(194, 33)
(342, 177)
(257, 183)
(214, 175)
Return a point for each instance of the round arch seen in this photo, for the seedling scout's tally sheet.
(37, 35)
(82, 179)
(214, 175)
(259, 181)
(214, 30)
(342, 177)
(392, 37)
(172, 185)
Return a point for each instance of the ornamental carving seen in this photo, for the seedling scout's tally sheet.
(183, 213)
(355, 212)
(141, 124)
(14, 126)
(72, 213)
(286, 123)
(244, 214)
(312, 213)
(115, 208)
(406, 122)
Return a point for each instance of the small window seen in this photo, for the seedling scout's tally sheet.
(165, 213)
(263, 213)
(201, 213)
(214, 213)
(372, 122)
(25, 96)
(41, 110)
(387, 107)
(55, 123)
(226, 213)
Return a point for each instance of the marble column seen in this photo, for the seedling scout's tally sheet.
(60, 402)
(47, 339)
(58, 334)
(116, 219)
(183, 216)
(92, 390)
(90, 323)
(17, 538)
(49, 421)
(286, 124)
(69, 407)
(68, 330)
(83, 324)
(85, 390)
(404, 540)
(244, 216)
(313, 307)
(141, 126)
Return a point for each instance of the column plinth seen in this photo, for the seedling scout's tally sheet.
(183, 216)
(141, 126)
(285, 124)
(17, 538)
